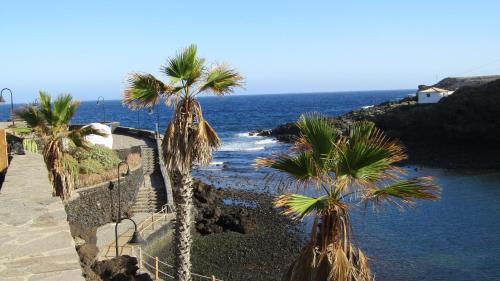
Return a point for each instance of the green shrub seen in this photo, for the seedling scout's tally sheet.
(91, 166)
(30, 145)
(23, 131)
(71, 165)
(97, 159)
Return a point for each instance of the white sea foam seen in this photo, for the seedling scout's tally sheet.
(209, 169)
(240, 146)
(367, 106)
(215, 163)
(266, 141)
(246, 135)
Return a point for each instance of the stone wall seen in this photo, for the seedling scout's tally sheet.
(97, 205)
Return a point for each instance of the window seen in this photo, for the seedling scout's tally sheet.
(428, 95)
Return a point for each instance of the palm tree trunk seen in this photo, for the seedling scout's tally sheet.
(183, 198)
(61, 179)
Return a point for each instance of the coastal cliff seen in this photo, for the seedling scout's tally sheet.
(460, 131)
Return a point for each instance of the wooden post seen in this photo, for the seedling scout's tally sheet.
(4, 157)
(157, 274)
(140, 257)
(213, 278)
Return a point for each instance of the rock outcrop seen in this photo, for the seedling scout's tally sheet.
(211, 216)
(460, 131)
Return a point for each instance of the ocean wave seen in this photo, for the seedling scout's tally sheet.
(247, 135)
(209, 169)
(367, 106)
(266, 141)
(241, 146)
(216, 163)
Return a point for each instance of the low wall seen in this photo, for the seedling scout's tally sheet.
(98, 204)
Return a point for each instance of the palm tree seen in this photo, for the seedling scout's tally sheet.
(50, 122)
(189, 138)
(356, 168)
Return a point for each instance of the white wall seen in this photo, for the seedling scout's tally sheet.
(432, 97)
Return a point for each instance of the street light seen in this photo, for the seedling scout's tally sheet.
(150, 112)
(2, 101)
(138, 122)
(100, 101)
(136, 236)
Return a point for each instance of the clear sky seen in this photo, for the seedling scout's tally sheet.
(87, 48)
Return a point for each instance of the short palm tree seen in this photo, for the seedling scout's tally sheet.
(50, 122)
(189, 138)
(358, 167)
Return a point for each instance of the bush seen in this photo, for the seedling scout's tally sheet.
(97, 159)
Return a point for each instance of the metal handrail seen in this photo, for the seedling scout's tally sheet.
(142, 261)
(144, 225)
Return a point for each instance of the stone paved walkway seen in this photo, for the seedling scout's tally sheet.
(35, 240)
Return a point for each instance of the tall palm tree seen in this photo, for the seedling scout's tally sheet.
(356, 168)
(50, 122)
(189, 138)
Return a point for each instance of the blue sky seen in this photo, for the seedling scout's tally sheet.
(87, 48)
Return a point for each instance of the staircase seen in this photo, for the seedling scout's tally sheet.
(152, 195)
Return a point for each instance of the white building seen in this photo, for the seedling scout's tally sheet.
(432, 95)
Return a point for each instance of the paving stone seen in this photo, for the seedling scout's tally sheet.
(36, 243)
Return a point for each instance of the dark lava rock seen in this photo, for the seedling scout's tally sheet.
(285, 133)
(87, 254)
(240, 222)
(122, 268)
(210, 217)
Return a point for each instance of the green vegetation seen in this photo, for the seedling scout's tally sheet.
(357, 169)
(50, 122)
(95, 159)
(22, 131)
(30, 145)
(189, 138)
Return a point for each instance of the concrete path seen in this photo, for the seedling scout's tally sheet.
(123, 141)
(147, 224)
(35, 240)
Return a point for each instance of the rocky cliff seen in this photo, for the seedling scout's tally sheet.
(461, 131)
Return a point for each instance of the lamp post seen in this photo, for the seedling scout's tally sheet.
(2, 101)
(136, 236)
(150, 112)
(138, 122)
(100, 101)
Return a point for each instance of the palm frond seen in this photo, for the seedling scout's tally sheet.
(77, 136)
(221, 80)
(298, 169)
(64, 109)
(405, 191)
(31, 115)
(45, 108)
(144, 91)
(185, 67)
(318, 135)
(298, 206)
(365, 156)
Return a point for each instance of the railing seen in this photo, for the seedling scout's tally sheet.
(153, 264)
(155, 218)
(157, 267)
(164, 174)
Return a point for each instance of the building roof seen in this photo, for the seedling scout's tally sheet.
(434, 90)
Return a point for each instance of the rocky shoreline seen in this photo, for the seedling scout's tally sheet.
(461, 131)
(260, 249)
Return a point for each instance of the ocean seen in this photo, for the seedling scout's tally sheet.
(456, 238)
